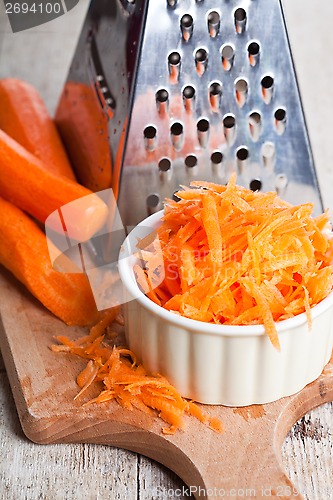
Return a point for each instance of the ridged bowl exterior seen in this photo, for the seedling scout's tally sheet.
(228, 365)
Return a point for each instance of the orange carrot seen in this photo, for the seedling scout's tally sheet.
(24, 117)
(84, 129)
(240, 257)
(129, 383)
(24, 252)
(26, 182)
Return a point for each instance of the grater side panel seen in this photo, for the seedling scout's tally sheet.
(169, 143)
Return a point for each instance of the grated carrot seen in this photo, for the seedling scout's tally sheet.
(127, 382)
(240, 257)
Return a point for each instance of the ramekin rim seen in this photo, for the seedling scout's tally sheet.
(128, 279)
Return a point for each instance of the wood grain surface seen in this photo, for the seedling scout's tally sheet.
(245, 458)
(30, 471)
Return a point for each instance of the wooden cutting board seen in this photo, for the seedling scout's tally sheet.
(244, 461)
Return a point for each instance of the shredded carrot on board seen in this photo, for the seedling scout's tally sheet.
(126, 381)
(238, 257)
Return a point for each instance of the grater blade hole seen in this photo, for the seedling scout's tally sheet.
(175, 197)
(255, 185)
(162, 95)
(203, 125)
(150, 132)
(254, 48)
(188, 97)
(240, 20)
(229, 121)
(172, 3)
(280, 116)
(176, 131)
(201, 60)
(216, 157)
(281, 183)
(253, 52)
(242, 154)
(164, 165)
(255, 125)
(153, 203)
(174, 58)
(201, 55)
(241, 89)
(191, 161)
(203, 132)
(176, 128)
(213, 20)
(162, 98)
(267, 82)
(268, 154)
(227, 56)
(186, 26)
(189, 92)
(149, 135)
(267, 86)
(215, 94)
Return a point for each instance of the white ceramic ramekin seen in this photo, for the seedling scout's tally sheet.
(221, 364)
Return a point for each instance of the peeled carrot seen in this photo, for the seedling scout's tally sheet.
(26, 182)
(239, 257)
(24, 117)
(24, 252)
(127, 382)
(84, 129)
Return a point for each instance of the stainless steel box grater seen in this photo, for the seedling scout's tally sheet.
(193, 90)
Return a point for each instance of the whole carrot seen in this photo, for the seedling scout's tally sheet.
(23, 116)
(84, 129)
(24, 252)
(26, 182)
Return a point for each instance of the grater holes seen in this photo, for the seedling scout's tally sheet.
(191, 161)
(215, 95)
(216, 158)
(172, 3)
(281, 183)
(213, 21)
(241, 91)
(188, 97)
(203, 132)
(268, 154)
(229, 125)
(149, 134)
(227, 56)
(255, 185)
(176, 131)
(186, 26)
(153, 203)
(240, 20)
(164, 165)
(174, 62)
(267, 87)
(242, 155)
(175, 197)
(162, 98)
(255, 123)
(253, 52)
(201, 60)
(280, 117)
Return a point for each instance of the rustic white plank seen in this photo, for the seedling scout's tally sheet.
(31, 471)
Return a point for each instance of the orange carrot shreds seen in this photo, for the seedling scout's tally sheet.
(126, 382)
(234, 256)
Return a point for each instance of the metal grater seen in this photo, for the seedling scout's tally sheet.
(195, 90)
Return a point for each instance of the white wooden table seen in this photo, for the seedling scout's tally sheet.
(30, 471)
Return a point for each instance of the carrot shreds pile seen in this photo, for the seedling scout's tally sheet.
(238, 257)
(126, 381)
